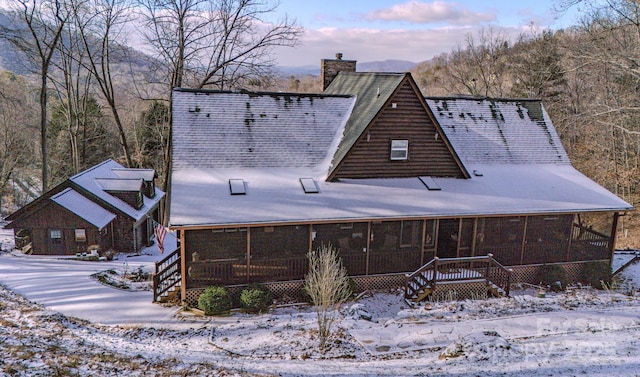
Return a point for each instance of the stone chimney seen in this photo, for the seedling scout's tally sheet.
(329, 68)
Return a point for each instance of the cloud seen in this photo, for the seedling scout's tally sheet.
(426, 13)
(365, 45)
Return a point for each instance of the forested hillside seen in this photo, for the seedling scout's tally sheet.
(90, 97)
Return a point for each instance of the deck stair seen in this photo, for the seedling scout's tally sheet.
(167, 278)
(447, 273)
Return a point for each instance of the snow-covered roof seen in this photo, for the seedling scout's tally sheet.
(83, 207)
(92, 178)
(146, 174)
(202, 197)
(120, 184)
(219, 129)
(268, 142)
(499, 131)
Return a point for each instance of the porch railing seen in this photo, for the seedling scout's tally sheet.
(447, 270)
(167, 274)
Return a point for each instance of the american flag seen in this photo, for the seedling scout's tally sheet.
(160, 232)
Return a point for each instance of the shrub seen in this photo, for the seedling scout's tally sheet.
(215, 300)
(255, 299)
(595, 273)
(553, 276)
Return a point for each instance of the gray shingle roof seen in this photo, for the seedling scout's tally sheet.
(83, 207)
(146, 174)
(214, 129)
(499, 131)
(373, 90)
(89, 180)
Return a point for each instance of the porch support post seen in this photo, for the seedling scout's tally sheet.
(475, 236)
(183, 267)
(524, 240)
(248, 254)
(424, 237)
(366, 265)
(614, 232)
(571, 232)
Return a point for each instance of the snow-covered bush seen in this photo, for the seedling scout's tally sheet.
(215, 300)
(255, 299)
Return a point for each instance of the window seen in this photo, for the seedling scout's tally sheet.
(56, 236)
(399, 149)
(81, 235)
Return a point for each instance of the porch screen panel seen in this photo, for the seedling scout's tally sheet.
(350, 239)
(547, 239)
(216, 256)
(395, 246)
(278, 253)
(502, 237)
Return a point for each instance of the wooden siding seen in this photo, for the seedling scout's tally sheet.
(52, 216)
(409, 120)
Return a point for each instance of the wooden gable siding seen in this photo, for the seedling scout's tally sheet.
(409, 120)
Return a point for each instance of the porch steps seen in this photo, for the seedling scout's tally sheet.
(457, 278)
(170, 295)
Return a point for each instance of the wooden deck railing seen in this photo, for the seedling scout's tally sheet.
(442, 270)
(167, 274)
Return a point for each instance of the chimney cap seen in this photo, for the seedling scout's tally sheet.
(339, 55)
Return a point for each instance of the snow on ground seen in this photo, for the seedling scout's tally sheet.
(55, 319)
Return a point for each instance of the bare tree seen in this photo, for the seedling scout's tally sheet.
(480, 67)
(100, 25)
(212, 43)
(327, 284)
(37, 32)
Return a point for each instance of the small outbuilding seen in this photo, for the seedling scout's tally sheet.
(107, 208)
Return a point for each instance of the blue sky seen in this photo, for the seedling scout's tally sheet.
(414, 30)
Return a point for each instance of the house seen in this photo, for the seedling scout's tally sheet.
(106, 207)
(390, 178)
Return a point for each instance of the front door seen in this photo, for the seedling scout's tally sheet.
(55, 242)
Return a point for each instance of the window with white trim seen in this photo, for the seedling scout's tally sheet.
(399, 150)
(56, 236)
(81, 235)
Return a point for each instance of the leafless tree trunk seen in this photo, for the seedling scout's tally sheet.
(44, 21)
(212, 43)
(100, 24)
(327, 284)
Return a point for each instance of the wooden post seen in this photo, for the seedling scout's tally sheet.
(248, 255)
(366, 262)
(183, 268)
(424, 235)
(612, 240)
(524, 239)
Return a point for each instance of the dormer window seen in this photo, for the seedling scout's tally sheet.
(399, 150)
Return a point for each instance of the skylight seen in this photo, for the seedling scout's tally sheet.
(309, 186)
(237, 187)
(431, 184)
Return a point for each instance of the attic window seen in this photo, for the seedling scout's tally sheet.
(430, 183)
(237, 187)
(399, 149)
(309, 186)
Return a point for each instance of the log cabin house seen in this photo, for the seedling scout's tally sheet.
(397, 182)
(107, 207)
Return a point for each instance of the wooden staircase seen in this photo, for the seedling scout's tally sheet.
(446, 273)
(167, 278)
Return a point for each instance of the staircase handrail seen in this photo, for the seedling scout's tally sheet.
(489, 269)
(167, 274)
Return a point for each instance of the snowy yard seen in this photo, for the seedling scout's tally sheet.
(56, 319)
